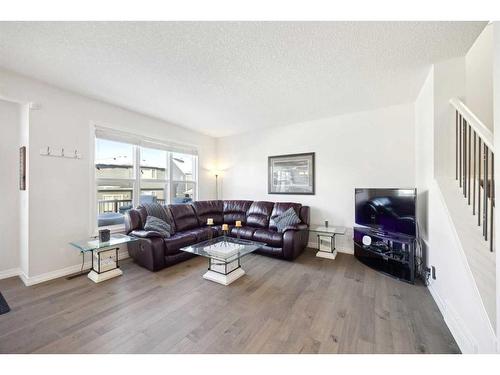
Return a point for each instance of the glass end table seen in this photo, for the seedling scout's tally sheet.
(104, 256)
(224, 257)
(328, 251)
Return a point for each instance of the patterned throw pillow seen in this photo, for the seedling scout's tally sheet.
(157, 225)
(286, 219)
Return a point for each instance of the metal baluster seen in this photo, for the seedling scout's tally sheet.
(465, 156)
(479, 184)
(474, 178)
(460, 152)
(492, 198)
(468, 157)
(486, 191)
(456, 145)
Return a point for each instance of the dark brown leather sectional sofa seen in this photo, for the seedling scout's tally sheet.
(189, 221)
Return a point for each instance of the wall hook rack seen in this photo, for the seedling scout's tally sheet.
(60, 153)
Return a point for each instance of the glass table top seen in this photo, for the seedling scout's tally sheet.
(95, 244)
(226, 249)
(329, 229)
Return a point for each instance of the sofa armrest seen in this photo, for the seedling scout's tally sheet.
(296, 227)
(145, 234)
(148, 252)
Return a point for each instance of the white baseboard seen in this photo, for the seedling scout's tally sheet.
(9, 273)
(37, 279)
(464, 339)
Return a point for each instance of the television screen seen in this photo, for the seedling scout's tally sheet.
(387, 210)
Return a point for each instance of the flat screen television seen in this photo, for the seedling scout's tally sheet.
(387, 210)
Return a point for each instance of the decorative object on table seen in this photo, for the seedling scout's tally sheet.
(286, 219)
(210, 222)
(291, 174)
(160, 226)
(22, 168)
(104, 256)
(104, 235)
(237, 224)
(4, 307)
(326, 223)
(225, 229)
(327, 238)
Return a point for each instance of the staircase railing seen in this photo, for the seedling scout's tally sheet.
(474, 166)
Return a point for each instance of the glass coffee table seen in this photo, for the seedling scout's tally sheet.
(224, 257)
(104, 256)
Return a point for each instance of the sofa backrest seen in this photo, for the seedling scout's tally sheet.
(259, 213)
(279, 208)
(184, 216)
(209, 209)
(235, 210)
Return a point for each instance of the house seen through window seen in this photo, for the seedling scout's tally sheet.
(128, 175)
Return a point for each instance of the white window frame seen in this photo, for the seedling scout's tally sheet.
(136, 181)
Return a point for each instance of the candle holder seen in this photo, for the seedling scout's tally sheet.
(210, 223)
(237, 224)
(225, 230)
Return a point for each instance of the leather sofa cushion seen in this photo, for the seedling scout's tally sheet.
(184, 217)
(269, 237)
(259, 214)
(201, 234)
(209, 209)
(245, 232)
(234, 210)
(178, 240)
(279, 208)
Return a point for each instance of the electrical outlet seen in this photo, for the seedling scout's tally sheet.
(433, 271)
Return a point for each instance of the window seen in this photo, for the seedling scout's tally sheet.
(128, 174)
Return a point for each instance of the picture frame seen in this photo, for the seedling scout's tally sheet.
(22, 168)
(292, 174)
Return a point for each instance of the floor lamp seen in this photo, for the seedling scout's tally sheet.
(216, 187)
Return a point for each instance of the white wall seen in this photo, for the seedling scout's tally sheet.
(449, 82)
(9, 187)
(453, 289)
(364, 149)
(424, 150)
(479, 77)
(59, 189)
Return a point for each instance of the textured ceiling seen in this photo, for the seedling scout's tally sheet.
(222, 78)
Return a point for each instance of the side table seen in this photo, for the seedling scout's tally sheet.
(104, 256)
(330, 232)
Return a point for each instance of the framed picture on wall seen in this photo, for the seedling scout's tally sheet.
(291, 174)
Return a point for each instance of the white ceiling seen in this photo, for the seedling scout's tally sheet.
(222, 78)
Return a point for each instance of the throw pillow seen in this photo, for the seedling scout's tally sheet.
(286, 219)
(161, 212)
(157, 225)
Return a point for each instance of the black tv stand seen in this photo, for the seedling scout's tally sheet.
(390, 253)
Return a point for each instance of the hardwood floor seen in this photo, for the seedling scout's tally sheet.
(311, 305)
